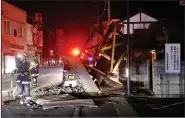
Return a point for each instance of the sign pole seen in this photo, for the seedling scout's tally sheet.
(128, 51)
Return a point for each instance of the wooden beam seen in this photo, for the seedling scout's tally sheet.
(99, 71)
(109, 47)
(118, 63)
(106, 56)
(96, 45)
(113, 48)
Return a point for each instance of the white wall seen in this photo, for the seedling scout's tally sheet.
(136, 18)
(29, 34)
(17, 18)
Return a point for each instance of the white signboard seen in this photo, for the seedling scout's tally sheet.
(172, 58)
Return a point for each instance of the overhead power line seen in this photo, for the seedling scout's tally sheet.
(103, 10)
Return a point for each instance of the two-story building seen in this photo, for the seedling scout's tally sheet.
(15, 33)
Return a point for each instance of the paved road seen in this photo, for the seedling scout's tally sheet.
(112, 109)
(116, 107)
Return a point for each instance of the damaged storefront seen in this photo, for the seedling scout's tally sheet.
(9, 51)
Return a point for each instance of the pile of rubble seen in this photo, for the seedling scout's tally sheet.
(57, 90)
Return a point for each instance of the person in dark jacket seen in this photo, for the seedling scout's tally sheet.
(23, 79)
(34, 70)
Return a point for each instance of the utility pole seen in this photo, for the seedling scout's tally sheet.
(128, 51)
(97, 12)
(97, 7)
(108, 12)
(97, 21)
(114, 38)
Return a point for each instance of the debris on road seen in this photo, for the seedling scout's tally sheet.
(57, 90)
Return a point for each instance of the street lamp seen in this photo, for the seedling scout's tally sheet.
(51, 54)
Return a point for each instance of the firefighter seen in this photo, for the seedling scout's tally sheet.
(34, 70)
(23, 79)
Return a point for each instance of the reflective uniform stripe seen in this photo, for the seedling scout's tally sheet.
(34, 74)
(28, 98)
(25, 82)
(18, 81)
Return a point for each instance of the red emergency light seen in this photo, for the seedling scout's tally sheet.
(76, 52)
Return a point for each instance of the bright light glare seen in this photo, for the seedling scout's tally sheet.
(32, 63)
(19, 55)
(10, 64)
(76, 52)
(127, 72)
(90, 58)
(153, 51)
(91, 65)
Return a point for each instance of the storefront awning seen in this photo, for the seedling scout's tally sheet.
(31, 48)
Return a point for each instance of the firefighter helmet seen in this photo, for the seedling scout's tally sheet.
(22, 56)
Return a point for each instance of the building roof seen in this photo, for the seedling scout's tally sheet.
(135, 17)
(146, 17)
(141, 17)
(14, 6)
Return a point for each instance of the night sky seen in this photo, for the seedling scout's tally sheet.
(75, 17)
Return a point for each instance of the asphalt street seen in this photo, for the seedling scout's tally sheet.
(120, 108)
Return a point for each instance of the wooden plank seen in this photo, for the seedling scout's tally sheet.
(113, 49)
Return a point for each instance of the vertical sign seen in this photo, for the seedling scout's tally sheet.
(38, 27)
(172, 58)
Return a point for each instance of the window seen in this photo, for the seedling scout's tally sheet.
(15, 33)
(8, 27)
(20, 31)
(5, 26)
